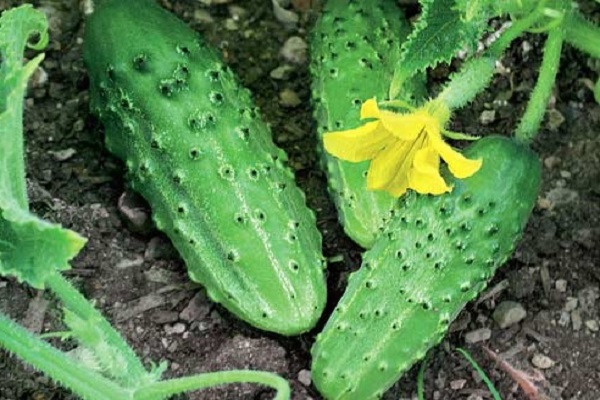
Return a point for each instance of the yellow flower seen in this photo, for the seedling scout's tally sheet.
(405, 149)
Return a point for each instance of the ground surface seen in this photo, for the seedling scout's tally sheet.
(137, 280)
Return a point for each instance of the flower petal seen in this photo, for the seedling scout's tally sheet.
(403, 126)
(390, 170)
(460, 166)
(427, 160)
(387, 165)
(369, 109)
(360, 144)
(425, 176)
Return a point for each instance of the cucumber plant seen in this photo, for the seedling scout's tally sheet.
(438, 252)
(197, 149)
(354, 43)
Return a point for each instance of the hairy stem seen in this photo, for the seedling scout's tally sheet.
(57, 365)
(536, 108)
(476, 73)
(174, 386)
(79, 305)
(582, 34)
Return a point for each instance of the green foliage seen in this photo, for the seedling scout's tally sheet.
(443, 29)
(437, 254)
(196, 148)
(30, 249)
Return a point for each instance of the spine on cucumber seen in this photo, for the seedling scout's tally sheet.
(355, 46)
(436, 256)
(196, 148)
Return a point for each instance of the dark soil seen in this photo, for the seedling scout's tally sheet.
(137, 280)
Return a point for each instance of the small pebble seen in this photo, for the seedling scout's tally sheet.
(561, 195)
(487, 117)
(63, 155)
(508, 313)
(555, 119)
(542, 362)
(564, 319)
(177, 328)
(237, 12)
(458, 384)
(561, 285)
(133, 208)
(474, 396)
(571, 304)
(587, 299)
(287, 17)
(288, 98)
(282, 73)
(576, 320)
(304, 377)
(294, 50)
(478, 335)
(565, 174)
(592, 325)
(162, 317)
(197, 309)
(203, 17)
(125, 263)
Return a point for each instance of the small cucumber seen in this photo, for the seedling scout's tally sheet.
(354, 48)
(436, 255)
(197, 149)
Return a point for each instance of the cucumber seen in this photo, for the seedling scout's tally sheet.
(354, 49)
(196, 148)
(436, 255)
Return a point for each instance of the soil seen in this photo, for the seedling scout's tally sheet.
(137, 280)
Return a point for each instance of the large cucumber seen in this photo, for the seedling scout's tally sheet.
(197, 149)
(354, 49)
(435, 256)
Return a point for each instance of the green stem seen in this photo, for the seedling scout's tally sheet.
(481, 373)
(582, 34)
(536, 108)
(421, 377)
(78, 304)
(476, 73)
(57, 365)
(179, 385)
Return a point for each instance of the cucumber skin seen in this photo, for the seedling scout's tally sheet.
(437, 254)
(196, 148)
(354, 49)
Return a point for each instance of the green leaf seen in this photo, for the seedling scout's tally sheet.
(30, 249)
(16, 27)
(440, 33)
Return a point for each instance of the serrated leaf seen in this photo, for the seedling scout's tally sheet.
(440, 33)
(30, 249)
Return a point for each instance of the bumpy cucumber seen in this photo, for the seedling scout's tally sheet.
(354, 48)
(437, 254)
(196, 148)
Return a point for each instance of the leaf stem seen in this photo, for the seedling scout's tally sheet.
(57, 365)
(78, 304)
(582, 34)
(202, 381)
(477, 72)
(536, 108)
